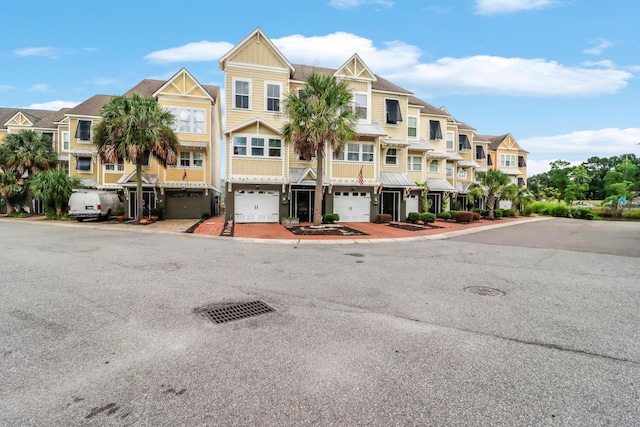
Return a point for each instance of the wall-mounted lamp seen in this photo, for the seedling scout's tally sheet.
(375, 200)
(285, 200)
(257, 187)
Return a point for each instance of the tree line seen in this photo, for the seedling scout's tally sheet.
(614, 180)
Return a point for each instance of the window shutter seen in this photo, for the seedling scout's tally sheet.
(521, 162)
(435, 132)
(393, 111)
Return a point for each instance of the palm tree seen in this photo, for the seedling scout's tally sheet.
(522, 197)
(320, 118)
(54, 187)
(26, 153)
(493, 182)
(8, 187)
(133, 128)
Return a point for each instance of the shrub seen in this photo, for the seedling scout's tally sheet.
(527, 211)
(444, 215)
(452, 212)
(631, 214)
(463, 216)
(476, 216)
(581, 213)
(330, 218)
(383, 218)
(497, 213)
(482, 212)
(427, 217)
(413, 217)
(508, 213)
(559, 211)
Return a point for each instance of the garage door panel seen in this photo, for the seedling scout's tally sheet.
(352, 206)
(256, 206)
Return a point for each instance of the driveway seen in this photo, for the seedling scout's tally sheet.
(101, 327)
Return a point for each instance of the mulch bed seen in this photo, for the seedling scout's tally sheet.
(412, 227)
(303, 230)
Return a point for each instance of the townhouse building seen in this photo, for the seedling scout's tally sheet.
(189, 189)
(407, 153)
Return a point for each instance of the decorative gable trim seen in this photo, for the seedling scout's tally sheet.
(258, 122)
(179, 82)
(19, 119)
(354, 68)
(260, 37)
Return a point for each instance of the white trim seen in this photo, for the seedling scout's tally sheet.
(266, 96)
(233, 93)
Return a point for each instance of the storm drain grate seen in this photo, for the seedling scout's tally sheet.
(238, 311)
(484, 291)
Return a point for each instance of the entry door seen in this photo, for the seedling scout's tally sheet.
(434, 203)
(148, 202)
(303, 205)
(391, 204)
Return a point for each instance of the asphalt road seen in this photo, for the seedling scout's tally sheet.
(100, 327)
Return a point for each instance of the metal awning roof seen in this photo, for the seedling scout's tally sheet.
(396, 179)
(439, 184)
(510, 171)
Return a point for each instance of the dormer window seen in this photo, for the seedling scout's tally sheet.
(394, 116)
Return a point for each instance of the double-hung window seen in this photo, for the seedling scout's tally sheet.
(391, 157)
(114, 167)
(357, 153)
(65, 141)
(414, 163)
(273, 96)
(275, 147)
(189, 159)
(434, 130)
(449, 171)
(508, 160)
(360, 107)
(412, 127)
(240, 145)
(394, 116)
(257, 146)
(83, 131)
(449, 137)
(241, 90)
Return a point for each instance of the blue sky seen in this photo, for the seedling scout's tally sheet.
(560, 75)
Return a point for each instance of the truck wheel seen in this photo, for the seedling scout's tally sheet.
(79, 219)
(109, 215)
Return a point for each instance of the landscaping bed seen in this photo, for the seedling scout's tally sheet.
(340, 230)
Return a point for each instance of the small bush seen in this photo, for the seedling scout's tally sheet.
(463, 216)
(427, 217)
(413, 217)
(508, 213)
(482, 212)
(476, 216)
(527, 211)
(631, 214)
(444, 215)
(559, 211)
(383, 218)
(330, 218)
(497, 213)
(452, 212)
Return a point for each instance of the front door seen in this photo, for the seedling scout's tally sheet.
(433, 200)
(148, 202)
(302, 205)
(391, 204)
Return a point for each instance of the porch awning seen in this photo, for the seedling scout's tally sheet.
(396, 179)
(463, 187)
(88, 182)
(452, 155)
(439, 184)
(437, 155)
(131, 178)
(256, 179)
(194, 144)
(305, 176)
(510, 171)
(420, 145)
(467, 164)
(370, 129)
(394, 142)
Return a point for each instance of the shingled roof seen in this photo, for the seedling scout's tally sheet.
(494, 141)
(426, 107)
(90, 107)
(39, 118)
(302, 71)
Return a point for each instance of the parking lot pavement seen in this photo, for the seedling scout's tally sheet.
(101, 327)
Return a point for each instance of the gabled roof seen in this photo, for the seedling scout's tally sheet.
(258, 121)
(151, 87)
(37, 118)
(261, 37)
(355, 68)
(90, 107)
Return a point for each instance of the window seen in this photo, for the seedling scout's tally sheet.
(489, 161)
(273, 97)
(114, 167)
(412, 127)
(508, 160)
(480, 152)
(520, 181)
(65, 141)
(521, 162)
(393, 111)
(414, 163)
(146, 160)
(434, 130)
(83, 164)
(302, 159)
(188, 120)
(275, 147)
(260, 147)
(463, 143)
(191, 159)
(449, 138)
(360, 107)
(449, 171)
(83, 131)
(391, 157)
(240, 145)
(48, 135)
(434, 166)
(241, 92)
(357, 152)
(462, 173)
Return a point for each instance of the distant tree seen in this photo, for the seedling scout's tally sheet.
(133, 128)
(559, 175)
(27, 152)
(578, 184)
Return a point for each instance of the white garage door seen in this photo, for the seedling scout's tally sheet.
(256, 206)
(413, 204)
(352, 206)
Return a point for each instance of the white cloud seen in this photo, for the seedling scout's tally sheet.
(578, 146)
(40, 87)
(53, 105)
(482, 74)
(194, 52)
(47, 52)
(349, 4)
(600, 46)
(493, 7)
(6, 87)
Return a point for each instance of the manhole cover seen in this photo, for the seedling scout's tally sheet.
(355, 254)
(229, 312)
(484, 291)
